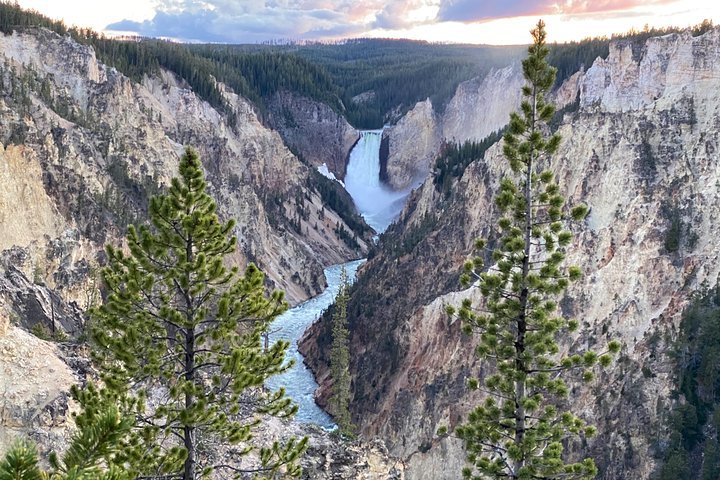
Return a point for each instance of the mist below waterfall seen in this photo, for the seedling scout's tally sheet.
(378, 204)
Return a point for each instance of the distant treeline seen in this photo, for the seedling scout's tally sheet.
(393, 75)
(396, 74)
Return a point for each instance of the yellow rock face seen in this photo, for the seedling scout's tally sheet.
(26, 211)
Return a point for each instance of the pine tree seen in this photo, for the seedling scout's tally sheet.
(96, 451)
(340, 360)
(181, 332)
(518, 431)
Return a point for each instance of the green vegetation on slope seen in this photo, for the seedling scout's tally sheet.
(370, 81)
(266, 72)
(454, 158)
(692, 450)
(336, 197)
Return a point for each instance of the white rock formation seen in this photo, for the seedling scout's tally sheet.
(479, 107)
(640, 151)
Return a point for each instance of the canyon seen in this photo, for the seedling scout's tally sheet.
(84, 147)
(639, 147)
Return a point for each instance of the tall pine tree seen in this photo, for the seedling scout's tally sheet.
(340, 360)
(518, 431)
(181, 332)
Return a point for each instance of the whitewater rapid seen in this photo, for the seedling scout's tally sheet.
(299, 382)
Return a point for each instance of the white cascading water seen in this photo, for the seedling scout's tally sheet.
(379, 206)
(298, 381)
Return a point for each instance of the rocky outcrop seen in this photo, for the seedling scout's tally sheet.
(34, 382)
(313, 130)
(85, 148)
(479, 107)
(328, 457)
(641, 152)
(38, 308)
(412, 145)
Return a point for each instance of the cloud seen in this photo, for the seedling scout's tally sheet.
(404, 14)
(235, 21)
(248, 21)
(182, 25)
(483, 10)
(474, 10)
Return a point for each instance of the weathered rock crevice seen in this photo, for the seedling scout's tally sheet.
(639, 150)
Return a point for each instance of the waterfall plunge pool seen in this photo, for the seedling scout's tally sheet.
(379, 206)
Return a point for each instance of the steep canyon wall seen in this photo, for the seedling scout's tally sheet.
(82, 148)
(641, 151)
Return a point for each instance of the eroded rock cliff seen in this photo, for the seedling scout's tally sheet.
(641, 151)
(82, 148)
(313, 130)
(479, 107)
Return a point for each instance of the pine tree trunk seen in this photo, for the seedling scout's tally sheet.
(189, 430)
(520, 365)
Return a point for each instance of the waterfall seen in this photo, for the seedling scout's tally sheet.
(378, 204)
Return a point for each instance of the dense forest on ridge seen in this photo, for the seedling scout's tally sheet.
(370, 81)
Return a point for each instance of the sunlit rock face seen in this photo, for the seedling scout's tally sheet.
(482, 105)
(82, 149)
(409, 147)
(479, 107)
(641, 151)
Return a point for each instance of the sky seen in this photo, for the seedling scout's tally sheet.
(499, 22)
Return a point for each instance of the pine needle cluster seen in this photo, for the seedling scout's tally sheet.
(180, 332)
(520, 429)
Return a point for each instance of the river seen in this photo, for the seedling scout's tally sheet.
(379, 206)
(299, 382)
